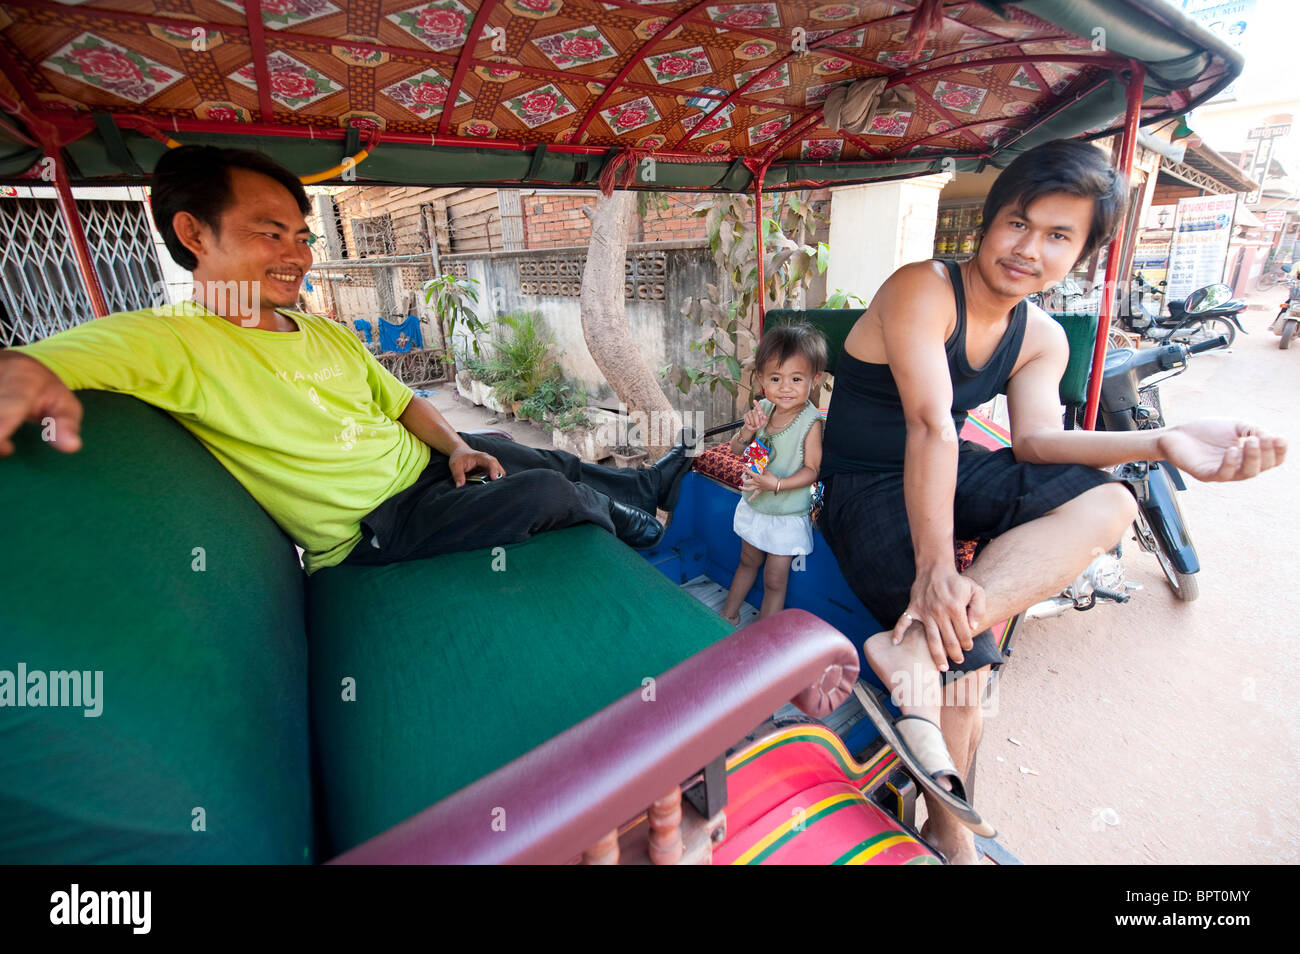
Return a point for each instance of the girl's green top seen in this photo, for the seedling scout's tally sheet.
(785, 459)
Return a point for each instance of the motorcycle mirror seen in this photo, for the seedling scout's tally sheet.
(1207, 298)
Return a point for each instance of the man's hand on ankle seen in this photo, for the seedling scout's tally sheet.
(948, 606)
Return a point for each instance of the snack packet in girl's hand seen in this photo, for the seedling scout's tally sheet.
(756, 455)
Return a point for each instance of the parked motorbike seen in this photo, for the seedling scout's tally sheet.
(1287, 321)
(1130, 401)
(1217, 315)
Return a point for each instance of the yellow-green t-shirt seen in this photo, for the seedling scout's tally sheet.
(306, 420)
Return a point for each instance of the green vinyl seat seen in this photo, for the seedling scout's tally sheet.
(224, 735)
(141, 558)
(464, 662)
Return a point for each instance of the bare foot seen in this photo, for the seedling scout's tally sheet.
(734, 620)
(908, 671)
(957, 844)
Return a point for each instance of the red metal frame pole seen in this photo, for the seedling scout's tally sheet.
(1127, 150)
(77, 235)
(758, 219)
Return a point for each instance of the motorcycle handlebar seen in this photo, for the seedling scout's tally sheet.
(1218, 341)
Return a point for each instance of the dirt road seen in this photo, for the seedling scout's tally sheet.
(1164, 732)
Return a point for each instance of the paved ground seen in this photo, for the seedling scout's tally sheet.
(1159, 732)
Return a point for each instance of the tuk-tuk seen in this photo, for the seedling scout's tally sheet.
(577, 703)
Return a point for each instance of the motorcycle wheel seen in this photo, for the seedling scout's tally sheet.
(1196, 330)
(1288, 332)
(1185, 585)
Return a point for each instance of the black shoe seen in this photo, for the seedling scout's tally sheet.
(672, 467)
(636, 528)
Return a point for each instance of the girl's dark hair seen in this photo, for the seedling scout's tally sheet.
(196, 179)
(798, 340)
(1063, 166)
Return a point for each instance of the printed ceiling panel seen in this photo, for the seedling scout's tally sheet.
(681, 77)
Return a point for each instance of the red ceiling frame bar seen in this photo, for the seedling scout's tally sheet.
(1127, 151)
(1000, 121)
(76, 234)
(795, 131)
(862, 144)
(946, 114)
(462, 62)
(781, 38)
(1097, 84)
(1106, 61)
(993, 46)
(758, 237)
(637, 59)
(757, 78)
(257, 43)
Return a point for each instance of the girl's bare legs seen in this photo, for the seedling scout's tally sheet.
(775, 577)
(751, 558)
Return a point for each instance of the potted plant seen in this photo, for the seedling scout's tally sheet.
(522, 359)
(626, 454)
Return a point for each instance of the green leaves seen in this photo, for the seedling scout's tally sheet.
(726, 314)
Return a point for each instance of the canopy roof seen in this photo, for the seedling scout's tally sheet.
(714, 91)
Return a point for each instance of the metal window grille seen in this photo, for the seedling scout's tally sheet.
(373, 236)
(40, 288)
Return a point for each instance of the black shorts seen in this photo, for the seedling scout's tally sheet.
(864, 521)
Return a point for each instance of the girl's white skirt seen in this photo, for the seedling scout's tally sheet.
(782, 535)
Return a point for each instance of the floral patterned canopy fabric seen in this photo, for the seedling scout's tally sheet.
(676, 78)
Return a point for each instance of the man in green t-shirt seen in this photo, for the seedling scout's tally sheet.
(348, 461)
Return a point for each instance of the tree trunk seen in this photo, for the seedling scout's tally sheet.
(605, 327)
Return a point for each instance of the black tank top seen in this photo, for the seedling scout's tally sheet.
(865, 428)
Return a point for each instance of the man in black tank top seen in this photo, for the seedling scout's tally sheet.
(938, 339)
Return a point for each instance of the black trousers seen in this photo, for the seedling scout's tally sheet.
(542, 490)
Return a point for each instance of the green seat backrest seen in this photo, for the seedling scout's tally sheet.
(475, 659)
(141, 558)
(1081, 331)
(834, 323)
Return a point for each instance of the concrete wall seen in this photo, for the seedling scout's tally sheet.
(659, 331)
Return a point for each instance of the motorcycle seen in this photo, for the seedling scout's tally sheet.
(1130, 401)
(1288, 317)
(1217, 315)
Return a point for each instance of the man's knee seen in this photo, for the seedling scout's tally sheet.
(1117, 503)
(545, 491)
(1107, 509)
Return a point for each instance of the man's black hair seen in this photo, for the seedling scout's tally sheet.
(797, 340)
(1069, 167)
(196, 179)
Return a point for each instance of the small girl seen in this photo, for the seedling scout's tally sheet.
(772, 515)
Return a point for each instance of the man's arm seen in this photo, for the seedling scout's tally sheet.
(1209, 450)
(915, 305)
(422, 419)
